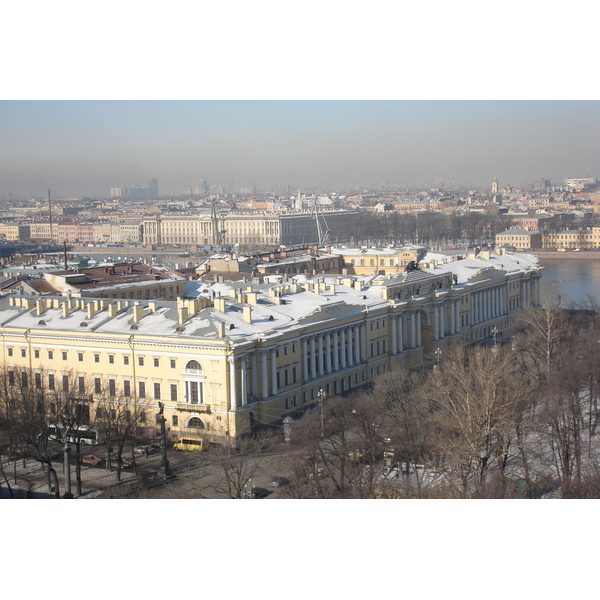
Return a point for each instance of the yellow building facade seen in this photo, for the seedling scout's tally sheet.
(243, 357)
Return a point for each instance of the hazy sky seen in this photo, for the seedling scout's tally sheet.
(79, 147)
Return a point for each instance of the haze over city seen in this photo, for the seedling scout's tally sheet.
(86, 147)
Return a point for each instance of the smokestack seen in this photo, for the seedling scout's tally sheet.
(65, 254)
(247, 314)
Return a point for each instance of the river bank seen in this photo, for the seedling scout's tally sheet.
(568, 255)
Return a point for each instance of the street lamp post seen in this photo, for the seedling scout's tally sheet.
(438, 355)
(67, 465)
(322, 395)
(164, 469)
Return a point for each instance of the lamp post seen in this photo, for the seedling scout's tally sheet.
(287, 428)
(495, 333)
(164, 469)
(322, 395)
(438, 355)
(67, 465)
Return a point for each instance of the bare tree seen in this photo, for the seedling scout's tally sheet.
(237, 464)
(476, 394)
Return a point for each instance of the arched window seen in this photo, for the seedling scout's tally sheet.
(193, 378)
(196, 423)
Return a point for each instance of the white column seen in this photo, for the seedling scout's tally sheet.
(394, 335)
(457, 316)
(399, 324)
(443, 320)
(413, 332)
(321, 365)
(313, 357)
(244, 380)
(274, 371)
(265, 376)
(304, 359)
(232, 386)
(452, 318)
(350, 345)
(363, 340)
(419, 328)
(357, 344)
(254, 373)
(336, 358)
(328, 351)
(436, 322)
(343, 346)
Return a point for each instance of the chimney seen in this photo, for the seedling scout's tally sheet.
(221, 329)
(138, 313)
(91, 310)
(247, 314)
(112, 310)
(252, 298)
(65, 309)
(40, 307)
(219, 304)
(332, 289)
(152, 307)
(182, 314)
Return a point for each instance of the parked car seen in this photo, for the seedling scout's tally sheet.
(90, 459)
(145, 450)
(126, 466)
(278, 480)
(50, 454)
(258, 492)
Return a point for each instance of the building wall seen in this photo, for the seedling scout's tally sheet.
(254, 380)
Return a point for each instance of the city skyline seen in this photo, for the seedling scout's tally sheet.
(87, 147)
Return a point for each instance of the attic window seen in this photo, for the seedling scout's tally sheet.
(133, 327)
(83, 324)
(232, 326)
(364, 297)
(180, 329)
(271, 318)
(41, 322)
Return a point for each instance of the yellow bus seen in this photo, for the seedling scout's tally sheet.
(190, 444)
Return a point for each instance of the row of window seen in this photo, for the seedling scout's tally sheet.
(80, 386)
(373, 262)
(141, 360)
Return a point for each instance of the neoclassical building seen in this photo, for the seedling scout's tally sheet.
(238, 357)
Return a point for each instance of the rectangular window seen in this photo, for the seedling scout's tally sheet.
(111, 359)
(24, 380)
(51, 383)
(141, 361)
(157, 391)
(23, 353)
(10, 351)
(127, 388)
(175, 421)
(173, 392)
(64, 355)
(126, 359)
(97, 385)
(96, 358)
(143, 417)
(11, 378)
(81, 384)
(38, 380)
(141, 389)
(172, 363)
(50, 354)
(112, 388)
(80, 356)
(36, 354)
(156, 362)
(65, 383)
